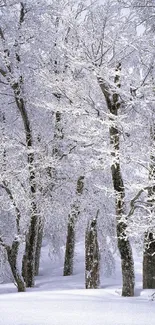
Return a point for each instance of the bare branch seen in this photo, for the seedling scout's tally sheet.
(66, 154)
(134, 200)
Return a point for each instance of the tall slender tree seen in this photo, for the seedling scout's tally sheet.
(17, 86)
(113, 102)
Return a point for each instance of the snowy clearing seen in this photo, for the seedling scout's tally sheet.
(58, 300)
(76, 307)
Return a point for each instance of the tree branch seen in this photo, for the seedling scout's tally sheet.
(132, 202)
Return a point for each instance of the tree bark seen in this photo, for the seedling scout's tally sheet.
(149, 240)
(92, 257)
(113, 103)
(70, 241)
(149, 261)
(38, 247)
(12, 254)
(28, 265)
(70, 246)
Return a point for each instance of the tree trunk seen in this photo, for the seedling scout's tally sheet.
(28, 265)
(70, 247)
(72, 218)
(149, 262)
(38, 248)
(127, 263)
(17, 86)
(12, 254)
(92, 257)
(31, 239)
(149, 240)
(113, 103)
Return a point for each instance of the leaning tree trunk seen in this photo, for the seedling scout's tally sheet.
(149, 240)
(113, 103)
(70, 241)
(92, 256)
(12, 254)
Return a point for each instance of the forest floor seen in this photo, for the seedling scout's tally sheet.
(58, 300)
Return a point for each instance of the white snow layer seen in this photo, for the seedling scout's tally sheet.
(58, 300)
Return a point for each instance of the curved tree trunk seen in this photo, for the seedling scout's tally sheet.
(12, 254)
(92, 256)
(72, 218)
(113, 103)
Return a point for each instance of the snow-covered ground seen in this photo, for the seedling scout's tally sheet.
(58, 300)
